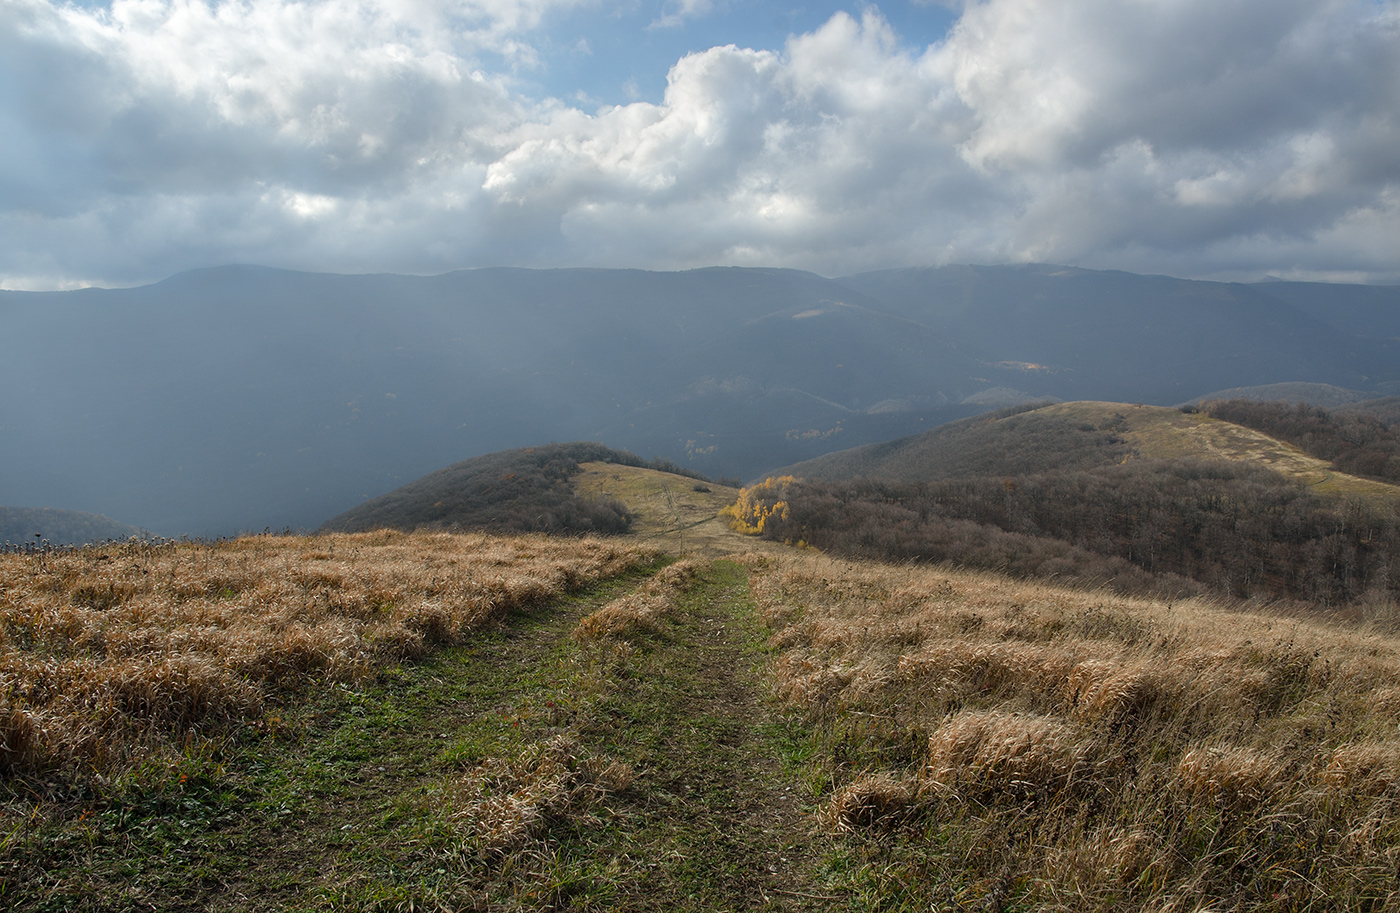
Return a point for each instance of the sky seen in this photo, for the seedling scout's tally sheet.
(1223, 139)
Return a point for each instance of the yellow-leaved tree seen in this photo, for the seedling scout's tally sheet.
(759, 504)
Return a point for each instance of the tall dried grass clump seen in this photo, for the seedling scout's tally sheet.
(1231, 777)
(112, 652)
(873, 802)
(501, 807)
(641, 611)
(1221, 753)
(1005, 753)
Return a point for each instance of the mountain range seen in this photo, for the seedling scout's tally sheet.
(240, 398)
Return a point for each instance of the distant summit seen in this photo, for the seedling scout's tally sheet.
(523, 490)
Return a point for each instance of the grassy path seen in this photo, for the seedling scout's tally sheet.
(716, 824)
(523, 771)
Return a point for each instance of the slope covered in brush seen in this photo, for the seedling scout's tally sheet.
(1143, 498)
(524, 490)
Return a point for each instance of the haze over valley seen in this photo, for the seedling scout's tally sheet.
(239, 398)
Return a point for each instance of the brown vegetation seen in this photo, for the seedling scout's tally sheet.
(499, 809)
(1354, 442)
(1081, 751)
(113, 653)
(642, 610)
(1144, 526)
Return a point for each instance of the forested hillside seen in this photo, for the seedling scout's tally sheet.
(1143, 499)
(1145, 526)
(524, 490)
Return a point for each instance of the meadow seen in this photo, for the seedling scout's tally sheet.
(394, 721)
(1028, 746)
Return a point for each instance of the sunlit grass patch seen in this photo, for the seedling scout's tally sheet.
(1117, 753)
(641, 611)
(109, 654)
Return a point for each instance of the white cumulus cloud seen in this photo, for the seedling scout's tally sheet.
(1223, 138)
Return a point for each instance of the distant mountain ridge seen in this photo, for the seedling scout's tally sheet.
(238, 398)
(38, 525)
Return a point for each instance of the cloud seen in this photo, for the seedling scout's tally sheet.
(1223, 138)
(678, 12)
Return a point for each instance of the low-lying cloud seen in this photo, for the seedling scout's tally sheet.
(1194, 137)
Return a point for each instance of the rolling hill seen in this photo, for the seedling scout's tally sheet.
(1138, 498)
(525, 490)
(1080, 435)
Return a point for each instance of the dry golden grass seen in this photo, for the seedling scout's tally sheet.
(1135, 753)
(1004, 752)
(878, 800)
(641, 611)
(498, 809)
(114, 652)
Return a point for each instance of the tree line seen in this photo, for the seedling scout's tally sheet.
(1143, 526)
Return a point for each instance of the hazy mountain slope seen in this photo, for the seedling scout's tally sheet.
(1369, 311)
(1316, 394)
(1083, 334)
(241, 397)
(59, 527)
(1002, 443)
(1386, 408)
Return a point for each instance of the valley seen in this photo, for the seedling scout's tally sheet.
(238, 399)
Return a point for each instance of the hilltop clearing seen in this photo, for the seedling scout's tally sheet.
(1140, 498)
(1077, 436)
(1170, 434)
(1356, 442)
